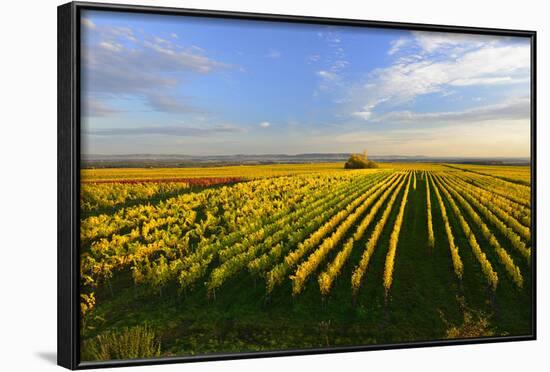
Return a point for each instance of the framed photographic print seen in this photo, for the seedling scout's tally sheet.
(237, 185)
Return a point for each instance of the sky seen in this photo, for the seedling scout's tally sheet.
(158, 84)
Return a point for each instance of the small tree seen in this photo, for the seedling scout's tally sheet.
(360, 161)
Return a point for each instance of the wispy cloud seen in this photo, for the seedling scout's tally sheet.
(431, 42)
(171, 104)
(273, 54)
(265, 124)
(396, 45)
(92, 107)
(180, 131)
(475, 61)
(334, 63)
(327, 75)
(365, 115)
(513, 109)
(117, 62)
(488, 81)
(314, 58)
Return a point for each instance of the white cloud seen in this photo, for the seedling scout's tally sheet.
(264, 124)
(327, 75)
(339, 65)
(365, 115)
(273, 53)
(314, 57)
(334, 63)
(112, 46)
(432, 41)
(396, 45)
(482, 81)
(406, 79)
(174, 35)
(119, 62)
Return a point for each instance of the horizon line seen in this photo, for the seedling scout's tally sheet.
(310, 153)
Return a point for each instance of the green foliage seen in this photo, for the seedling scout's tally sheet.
(359, 161)
(126, 343)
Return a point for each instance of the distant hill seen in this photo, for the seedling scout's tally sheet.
(182, 160)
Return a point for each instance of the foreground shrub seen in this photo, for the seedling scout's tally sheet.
(126, 343)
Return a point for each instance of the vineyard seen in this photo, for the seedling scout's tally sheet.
(263, 253)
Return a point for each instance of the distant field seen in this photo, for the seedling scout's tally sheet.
(513, 173)
(274, 257)
(242, 171)
(518, 174)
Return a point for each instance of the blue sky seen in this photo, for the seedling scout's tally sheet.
(181, 85)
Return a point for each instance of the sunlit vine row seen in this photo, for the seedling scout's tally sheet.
(361, 268)
(279, 272)
(394, 239)
(490, 274)
(326, 278)
(455, 256)
(503, 255)
(514, 238)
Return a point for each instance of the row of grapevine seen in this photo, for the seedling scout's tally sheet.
(171, 232)
(503, 255)
(306, 268)
(518, 175)
(490, 274)
(233, 198)
(289, 227)
(361, 268)
(394, 239)
(94, 197)
(261, 265)
(279, 272)
(205, 254)
(455, 256)
(514, 238)
(327, 277)
(502, 188)
(499, 208)
(518, 210)
(303, 209)
(431, 238)
(274, 234)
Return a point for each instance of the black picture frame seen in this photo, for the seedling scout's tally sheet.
(69, 177)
